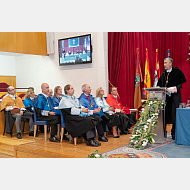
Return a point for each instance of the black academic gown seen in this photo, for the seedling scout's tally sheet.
(176, 78)
(78, 125)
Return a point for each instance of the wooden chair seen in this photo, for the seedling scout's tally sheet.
(45, 124)
(62, 128)
(62, 125)
(37, 122)
(10, 120)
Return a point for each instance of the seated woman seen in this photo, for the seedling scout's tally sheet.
(28, 103)
(56, 99)
(29, 99)
(108, 111)
(57, 96)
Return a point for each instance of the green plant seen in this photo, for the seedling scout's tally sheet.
(143, 130)
(96, 155)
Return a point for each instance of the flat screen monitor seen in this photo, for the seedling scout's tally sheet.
(75, 50)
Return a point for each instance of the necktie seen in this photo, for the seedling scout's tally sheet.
(167, 78)
(88, 98)
(47, 101)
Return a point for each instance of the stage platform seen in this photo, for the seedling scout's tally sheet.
(28, 147)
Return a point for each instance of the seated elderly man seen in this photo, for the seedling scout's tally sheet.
(44, 109)
(88, 101)
(77, 118)
(50, 94)
(14, 103)
(126, 119)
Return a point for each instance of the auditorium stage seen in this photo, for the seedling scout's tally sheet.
(28, 147)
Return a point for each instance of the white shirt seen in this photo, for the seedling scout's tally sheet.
(11, 107)
(45, 95)
(13, 96)
(169, 70)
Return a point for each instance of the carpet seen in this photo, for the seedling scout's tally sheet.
(169, 149)
(126, 152)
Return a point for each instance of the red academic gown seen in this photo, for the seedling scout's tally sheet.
(116, 103)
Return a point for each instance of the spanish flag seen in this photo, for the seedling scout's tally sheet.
(138, 80)
(147, 79)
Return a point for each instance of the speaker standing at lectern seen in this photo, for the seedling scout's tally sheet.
(172, 78)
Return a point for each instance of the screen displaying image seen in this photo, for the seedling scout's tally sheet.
(75, 50)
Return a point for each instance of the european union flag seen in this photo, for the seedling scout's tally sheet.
(168, 53)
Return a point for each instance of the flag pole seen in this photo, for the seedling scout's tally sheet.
(113, 85)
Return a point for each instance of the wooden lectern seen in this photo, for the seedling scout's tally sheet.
(159, 93)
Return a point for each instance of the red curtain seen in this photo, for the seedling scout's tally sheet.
(122, 58)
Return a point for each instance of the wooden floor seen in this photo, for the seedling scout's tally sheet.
(28, 147)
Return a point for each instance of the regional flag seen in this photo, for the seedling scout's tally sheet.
(138, 80)
(147, 79)
(157, 70)
(168, 53)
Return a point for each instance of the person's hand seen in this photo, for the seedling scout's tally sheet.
(86, 110)
(122, 111)
(96, 110)
(21, 112)
(111, 108)
(99, 108)
(51, 113)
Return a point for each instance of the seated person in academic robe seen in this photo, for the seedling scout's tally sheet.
(50, 94)
(126, 119)
(44, 109)
(114, 120)
(56, 100)
(87, 101)
(13, 103)
(29, 100)
(32, 88)
(30, 97)
(77, 118)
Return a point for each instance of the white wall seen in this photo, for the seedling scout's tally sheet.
(7, 65)
(33, 70)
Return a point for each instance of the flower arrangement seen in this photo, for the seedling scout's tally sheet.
(143, 130)
(96, 155)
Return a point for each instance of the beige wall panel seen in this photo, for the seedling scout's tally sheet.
(10, 80)
(3, 41)
(19, 44)
(11, 41)
(24, 42)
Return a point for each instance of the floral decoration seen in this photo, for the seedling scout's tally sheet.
(96, 155)
(143, 130)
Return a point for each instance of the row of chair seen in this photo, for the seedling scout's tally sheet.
(45, 123)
